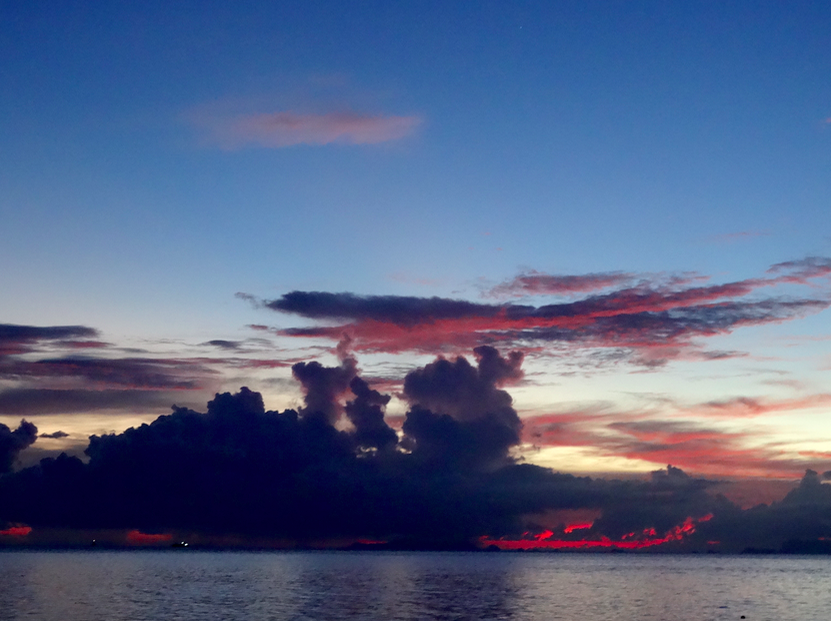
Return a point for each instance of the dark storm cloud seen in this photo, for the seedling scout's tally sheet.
(462, 390)
(15, 339)
(798, 523)
(459, 414)
(366, 413)
(12, 442)
(240, 470)
(323, 386)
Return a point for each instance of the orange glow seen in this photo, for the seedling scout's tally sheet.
(138, 537)
(647, 539)
(572, 527)
(17, 531)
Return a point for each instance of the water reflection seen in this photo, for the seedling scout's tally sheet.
(75, 586)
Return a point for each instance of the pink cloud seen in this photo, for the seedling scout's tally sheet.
(289, 128)
(747, 407)
(688, 445)
(538, 283)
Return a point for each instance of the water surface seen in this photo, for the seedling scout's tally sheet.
(169, 585)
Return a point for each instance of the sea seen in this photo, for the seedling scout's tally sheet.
(190, 585)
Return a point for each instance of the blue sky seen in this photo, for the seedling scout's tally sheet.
(159, 159)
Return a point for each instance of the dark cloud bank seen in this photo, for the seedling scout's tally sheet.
(241, 473)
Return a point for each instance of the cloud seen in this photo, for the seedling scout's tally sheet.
(802, 270)
(398, 310)
(139, 373)
(366, 413)
(223, 344)
(323, 386)
(31, 401)
(458, 414)
(653, 321)
(239, 470)
(55, 435)
(289, 128)
(644, 436)
(537, 283)
(798, 523)
(745, 407)
(17, 339)
(12, 442)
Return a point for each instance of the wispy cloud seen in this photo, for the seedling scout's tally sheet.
(538, 283)
(654, 320)
(288, 128)
(18, 339)
(748, 407)
(690, 445)
(42, 401)
(41, 372)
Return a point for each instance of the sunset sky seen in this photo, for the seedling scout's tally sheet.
(195, 196)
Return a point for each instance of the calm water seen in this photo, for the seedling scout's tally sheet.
(100, 585)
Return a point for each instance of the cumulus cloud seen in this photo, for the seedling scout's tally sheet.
(288, 128)
(239, 469)
(12, 442)
(459, 414)
(301, 476)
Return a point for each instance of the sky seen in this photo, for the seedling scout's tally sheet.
(626, 204)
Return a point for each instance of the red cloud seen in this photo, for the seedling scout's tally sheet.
(289, 128)
(632, 541)
(689, 446)
(537, 283)
(16, 531)
(654, 321)
(744, 407)
(140, 538)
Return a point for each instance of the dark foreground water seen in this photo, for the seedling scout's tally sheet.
(100, 585)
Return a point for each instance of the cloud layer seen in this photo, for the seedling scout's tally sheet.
(651, 320)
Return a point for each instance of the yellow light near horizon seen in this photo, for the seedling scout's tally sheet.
(586, 460)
